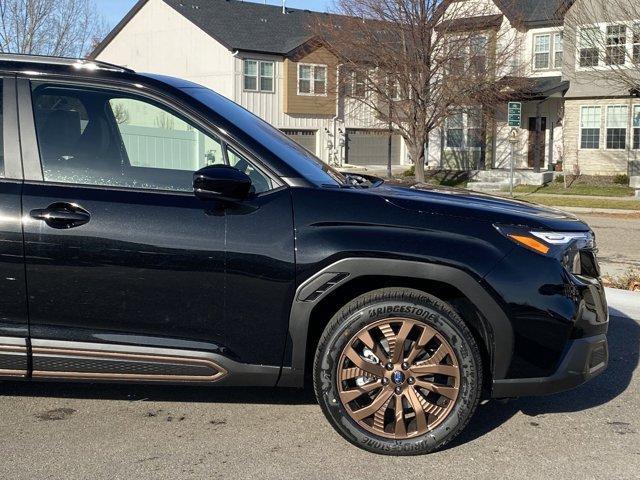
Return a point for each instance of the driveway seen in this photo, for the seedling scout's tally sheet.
(83, 431)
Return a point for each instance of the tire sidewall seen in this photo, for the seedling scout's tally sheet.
(429, 313)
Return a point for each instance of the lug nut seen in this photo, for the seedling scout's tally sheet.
(405, 366)
(411, 381)
(398, 390)
(389, 366)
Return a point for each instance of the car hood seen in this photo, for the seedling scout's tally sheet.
(479, 206)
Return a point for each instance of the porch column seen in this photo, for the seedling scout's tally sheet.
(536, 152)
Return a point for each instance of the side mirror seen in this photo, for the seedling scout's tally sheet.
(221, 182)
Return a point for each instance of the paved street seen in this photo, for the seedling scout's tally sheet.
(72, 431)
(618, 241)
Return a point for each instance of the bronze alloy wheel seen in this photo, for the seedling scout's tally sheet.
(398, 378)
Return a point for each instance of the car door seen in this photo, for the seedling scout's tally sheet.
(14, 328)
(122, 257)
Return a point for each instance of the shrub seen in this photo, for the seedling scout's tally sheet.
(410, 173)
(559, 179)
(621, 179)
(630, 280)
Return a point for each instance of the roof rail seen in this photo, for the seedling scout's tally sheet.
(78, 63)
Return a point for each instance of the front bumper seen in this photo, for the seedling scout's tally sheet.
(584, 359)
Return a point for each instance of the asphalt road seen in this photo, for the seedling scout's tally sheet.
(618, 238)
(84, 431)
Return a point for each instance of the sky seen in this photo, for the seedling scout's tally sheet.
(114, 10)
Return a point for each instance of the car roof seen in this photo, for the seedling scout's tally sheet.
(20, 61)
(219, 110)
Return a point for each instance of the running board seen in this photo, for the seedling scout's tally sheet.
(14, 358)
(82, 361)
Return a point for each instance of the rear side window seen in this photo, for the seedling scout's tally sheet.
(1, 128)
(102, 137)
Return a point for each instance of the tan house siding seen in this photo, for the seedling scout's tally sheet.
(596, 161)
(310, 104)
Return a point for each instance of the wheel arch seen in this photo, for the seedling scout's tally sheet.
(324, 293)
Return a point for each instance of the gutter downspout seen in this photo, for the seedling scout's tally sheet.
(337, 160)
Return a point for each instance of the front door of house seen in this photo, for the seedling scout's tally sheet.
(536, 142)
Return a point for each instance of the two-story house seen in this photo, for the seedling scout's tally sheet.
(575, 113)
(601, 112)
(529, 32)
(263, 57)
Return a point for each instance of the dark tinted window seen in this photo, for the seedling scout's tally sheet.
(99, 137)
(1, 129)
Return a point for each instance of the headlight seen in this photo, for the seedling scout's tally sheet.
(547, 243)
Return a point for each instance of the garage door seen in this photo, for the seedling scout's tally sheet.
(370, 147)
(306, 138)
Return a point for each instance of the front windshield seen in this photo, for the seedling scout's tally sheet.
(304, 162)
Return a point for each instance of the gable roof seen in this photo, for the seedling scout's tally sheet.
(260, 28)
(534, 13)
(239, 25)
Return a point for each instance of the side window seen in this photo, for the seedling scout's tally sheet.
(261, 182)
(100, 137)
(1, 128)
(154, 138)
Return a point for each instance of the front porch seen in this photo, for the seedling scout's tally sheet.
(539, 142)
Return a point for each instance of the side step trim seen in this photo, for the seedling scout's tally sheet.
(76, 360)
(13, 357)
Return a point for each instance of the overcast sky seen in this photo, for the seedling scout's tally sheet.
(114, 10)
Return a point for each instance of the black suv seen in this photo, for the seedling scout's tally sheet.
(154, 231)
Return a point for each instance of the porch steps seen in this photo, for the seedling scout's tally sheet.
(498, 180)
(489, 186)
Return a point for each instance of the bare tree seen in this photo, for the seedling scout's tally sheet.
(411, 62)
(50, 27)
(605, 37)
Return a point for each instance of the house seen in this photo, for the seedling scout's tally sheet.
(263, 57)
(267, 59)
(575, 113)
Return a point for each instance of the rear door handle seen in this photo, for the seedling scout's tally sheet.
(62, 215)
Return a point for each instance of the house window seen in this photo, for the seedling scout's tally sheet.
(258, 76)
(557, 50)
(636, 127)
(355, 83)
(455, 130)
(617, 127)
(464, 130)
(478, 54)
(589, 52)
(615, 53)
(541, 51)
(590, 127)
(475, 131)
(312, 79)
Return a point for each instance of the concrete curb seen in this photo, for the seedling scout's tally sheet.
(623, 303)
(587, 210)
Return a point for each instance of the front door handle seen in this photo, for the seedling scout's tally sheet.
(62, 215)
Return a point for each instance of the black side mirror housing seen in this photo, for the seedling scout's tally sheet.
(221, 182)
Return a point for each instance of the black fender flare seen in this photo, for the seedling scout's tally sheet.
(315, 288)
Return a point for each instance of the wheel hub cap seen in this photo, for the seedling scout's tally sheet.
(413, 386)
(398, 377)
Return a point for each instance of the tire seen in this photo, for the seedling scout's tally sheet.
(355, 337)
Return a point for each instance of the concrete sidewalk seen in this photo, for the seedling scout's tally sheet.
(623, 303)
